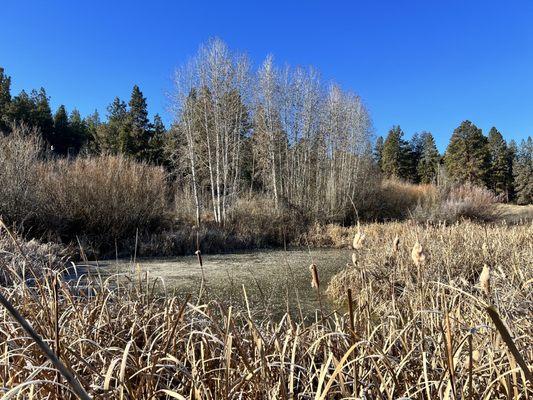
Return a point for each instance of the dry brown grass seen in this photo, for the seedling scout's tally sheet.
(403, 306)
(420, 334)
(395, 200)
(456, 203)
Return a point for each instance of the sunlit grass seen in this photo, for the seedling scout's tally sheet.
(421, 332)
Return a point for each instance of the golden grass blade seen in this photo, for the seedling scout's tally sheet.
(67, 374)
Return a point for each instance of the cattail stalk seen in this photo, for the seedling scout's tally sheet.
(351, 314)
(449, 351)
(396, 245)
(358, 240)
(470, 369)
(315, 283)
(507, 338)
(202, 283)
(56, 327)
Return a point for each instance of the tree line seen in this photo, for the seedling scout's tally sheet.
(486, 161)
(277, 131)
(127, 129)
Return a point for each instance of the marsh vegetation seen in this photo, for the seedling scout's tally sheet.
(403, 323)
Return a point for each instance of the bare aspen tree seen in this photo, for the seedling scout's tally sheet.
(267, 120)
(184, 115)
(217, 120)
(290, 138)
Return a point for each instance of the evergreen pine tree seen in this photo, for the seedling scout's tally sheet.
(157, 141)
(378, 151)
(138, 109)
(5, 99)
(512, 151)
(467, 157)
(60, 138)
(20, 109)
(78, 131)
(414, 152)
(523, 172)
(109, 136)
(500, 172)
(135, 137)
(395, 156)
(92, 122)
(42, 114)
(428, 163)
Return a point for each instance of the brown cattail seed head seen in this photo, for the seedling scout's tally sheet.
(484, 280)
(485, 249)
(314, 276)
(476, 355)
(396, 244)
(418, 255)
(358, 240)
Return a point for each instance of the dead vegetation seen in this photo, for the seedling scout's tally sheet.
(416, 331)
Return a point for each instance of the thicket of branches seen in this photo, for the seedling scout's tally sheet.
(276, 131)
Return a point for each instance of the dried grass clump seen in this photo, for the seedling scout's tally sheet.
(397, 301)
(329, 235)
(26, 259)
(460, 202)
(20, 152)
(397, 199)
(259, 223)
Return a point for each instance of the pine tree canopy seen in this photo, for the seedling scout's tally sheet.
(500, 171)
(60, 138)
(395, 161)
(429, 159)
(523, 172)
(378, 151)
(5, 99)
(467, 158)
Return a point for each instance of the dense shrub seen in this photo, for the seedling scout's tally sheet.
(101, 198)
(19, 155)
(258, 221)
(450, 204)
(395, 200)
(106, 197)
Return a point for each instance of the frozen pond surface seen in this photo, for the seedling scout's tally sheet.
(275, 280)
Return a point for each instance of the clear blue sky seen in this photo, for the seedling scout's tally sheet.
(425, 65)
